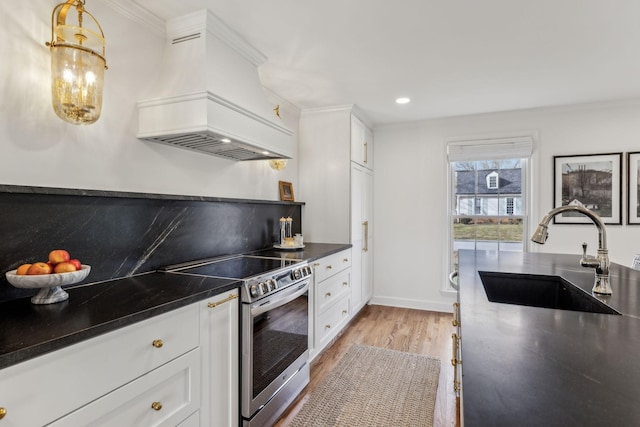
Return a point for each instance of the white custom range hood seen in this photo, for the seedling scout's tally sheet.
(210, 94)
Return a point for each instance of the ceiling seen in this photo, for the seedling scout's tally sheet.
(451, 57)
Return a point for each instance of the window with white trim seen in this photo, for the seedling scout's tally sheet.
(488, 195)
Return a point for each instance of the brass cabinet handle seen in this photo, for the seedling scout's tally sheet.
(327, 295)
(344, 312)
(157, 343)
(345, 260)
(345, 284)
(3, 412)
(456, 314)
(231, 297)
(329, 267)
(156, 406)
(457, 385)
(366, 236)
(315, 264)
(327, 327)
(454, 356)
(366, 154)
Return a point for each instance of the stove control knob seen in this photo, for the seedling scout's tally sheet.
(263, 288)
(273, 284)
(254, 290)
(296, 274)
(307, 270)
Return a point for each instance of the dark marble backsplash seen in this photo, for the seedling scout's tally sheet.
(121, 234)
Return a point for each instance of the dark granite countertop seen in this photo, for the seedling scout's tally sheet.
(530, 366)
(28, 330)
(310, 252)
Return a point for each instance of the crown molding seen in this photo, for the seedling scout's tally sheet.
(136, 13)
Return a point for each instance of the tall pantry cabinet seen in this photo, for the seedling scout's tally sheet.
(336, 183)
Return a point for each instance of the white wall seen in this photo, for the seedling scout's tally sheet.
(37, 148)
(410, 191)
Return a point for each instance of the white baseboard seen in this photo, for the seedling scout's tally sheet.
(439, 306)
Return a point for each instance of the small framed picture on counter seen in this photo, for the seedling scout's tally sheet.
(593, 181)
(286, 191)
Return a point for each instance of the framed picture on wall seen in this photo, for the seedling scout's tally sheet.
(593, 181)
(286, 191)
(633, 188)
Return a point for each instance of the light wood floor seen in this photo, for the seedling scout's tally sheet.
(413, 331)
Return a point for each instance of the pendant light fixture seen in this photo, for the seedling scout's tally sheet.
(77, 65)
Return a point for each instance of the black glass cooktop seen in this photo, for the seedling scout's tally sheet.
(241, 267)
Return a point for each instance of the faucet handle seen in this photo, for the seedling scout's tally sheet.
(588, 260)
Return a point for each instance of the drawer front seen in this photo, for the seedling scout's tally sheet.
(60, 382)
(332, 289)
(331, 322)
(332, 264)
(163, 397)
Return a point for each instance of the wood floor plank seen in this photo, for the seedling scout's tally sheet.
(414, 331)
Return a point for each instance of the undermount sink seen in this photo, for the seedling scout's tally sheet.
(540, 291)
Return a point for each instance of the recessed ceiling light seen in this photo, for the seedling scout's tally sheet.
(266, 153)
(225, 140)
(403, 100)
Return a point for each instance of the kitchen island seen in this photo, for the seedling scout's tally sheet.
(531, 366)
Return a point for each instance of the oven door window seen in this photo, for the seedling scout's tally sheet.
(280, 336)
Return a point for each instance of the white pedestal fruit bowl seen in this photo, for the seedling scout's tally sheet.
(49, 284)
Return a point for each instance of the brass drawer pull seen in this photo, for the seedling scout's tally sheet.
(345, 284)
(3, 412)
(344, 312)
(315, 264)
(456, 314)
(345, 260)
(329, 267)
(327, 295)
(231, 297)
(157, 343)
(327, 327)
(156, 406)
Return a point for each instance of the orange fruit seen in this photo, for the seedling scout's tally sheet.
(22, 270)
(39, 268)
(64, 267)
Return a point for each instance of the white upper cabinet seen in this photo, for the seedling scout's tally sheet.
(361, 143)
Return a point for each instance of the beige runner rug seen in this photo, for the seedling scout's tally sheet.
(373, 386)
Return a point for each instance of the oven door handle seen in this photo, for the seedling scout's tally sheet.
(281, 299)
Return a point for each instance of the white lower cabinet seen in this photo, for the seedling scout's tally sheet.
(163, 397)
(219, 341)
(60, 382)
(331, 298)
(178, 368)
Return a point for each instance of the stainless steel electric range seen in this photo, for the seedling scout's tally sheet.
(275, 330)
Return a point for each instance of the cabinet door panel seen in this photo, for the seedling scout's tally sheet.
(219, 341)
(357, 197)
(358, 143)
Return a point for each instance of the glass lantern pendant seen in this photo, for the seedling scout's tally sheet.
(77, 65)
